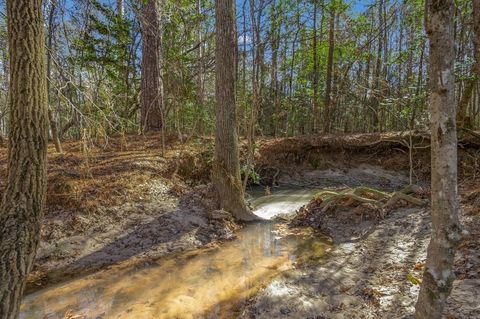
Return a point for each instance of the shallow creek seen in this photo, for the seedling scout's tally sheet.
(208, 283)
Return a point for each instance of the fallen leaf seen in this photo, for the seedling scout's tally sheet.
(414, 280)
(419, 266)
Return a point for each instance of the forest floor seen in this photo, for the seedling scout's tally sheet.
(375, 266)
(120, 200)
(378, 258)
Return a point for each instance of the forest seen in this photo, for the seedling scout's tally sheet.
(239, 159)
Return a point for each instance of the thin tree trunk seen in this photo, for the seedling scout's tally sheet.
(463, 120)
(294, 52)
(275, 40)
(476, 38)
(378, 71)
(120, 9)
(51, 117)
(328, 85)
(24, 197)
(201, 71)
(315, 72)
(256, 88)
(226, 167)
(152, 82)
(446, 231)
(243, 115)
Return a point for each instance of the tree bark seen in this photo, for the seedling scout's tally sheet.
(120, 9)
(257, 62)
(275, 41)
(446, 231)
(328, 85)
(201, 71)
(476, 37)
(315, 71)
(24, 197)
(463, 120)
(51, 117)
(377, 96)
(152, 82)
(226, 166)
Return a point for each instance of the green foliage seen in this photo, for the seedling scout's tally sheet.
(253, 176)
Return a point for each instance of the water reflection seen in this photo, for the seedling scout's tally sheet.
(281, 201)
(210, 283)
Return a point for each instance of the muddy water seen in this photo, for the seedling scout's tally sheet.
(209, 283)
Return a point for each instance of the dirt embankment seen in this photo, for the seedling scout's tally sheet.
(292, 160)
(380, 250)
(121, 199)
(376, 266)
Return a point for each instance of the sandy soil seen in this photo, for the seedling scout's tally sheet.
(373, 269)
(135, 232)
(123, 200)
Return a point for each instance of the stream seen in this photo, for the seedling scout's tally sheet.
(207, 283)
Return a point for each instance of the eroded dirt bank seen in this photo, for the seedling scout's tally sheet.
(121, 199)
(292, 160)
(372, 274)
(378, 256)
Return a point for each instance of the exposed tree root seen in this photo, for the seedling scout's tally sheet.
(381, 200)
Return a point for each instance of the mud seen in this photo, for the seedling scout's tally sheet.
(138, 232)
(129, 203)
(373, 270)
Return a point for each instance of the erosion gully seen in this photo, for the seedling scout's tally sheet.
(207, 283)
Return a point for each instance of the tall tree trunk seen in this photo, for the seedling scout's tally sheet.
(243, 114)
(125, 58)
(257, 52)
(328, 85)
(476, 38)
(201, 71)
(294, 53)
(463, 120)
(275, 41)
(226, 167)
(51, 116)
(152, 108)
(446, 232)
(120, 9)
(24, 197)
(378, 71)
(315, 72)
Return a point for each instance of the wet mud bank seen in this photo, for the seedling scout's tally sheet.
(290, 160)
(136, 209)
(371, 274)
(377, 260)
(124, 199)
(212, 282)
(139, 233)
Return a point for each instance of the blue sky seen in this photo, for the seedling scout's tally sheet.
(357, 5)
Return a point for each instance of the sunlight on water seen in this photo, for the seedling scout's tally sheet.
(282, 202)
(210, 283)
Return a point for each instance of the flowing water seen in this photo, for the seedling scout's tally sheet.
(208, 283)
